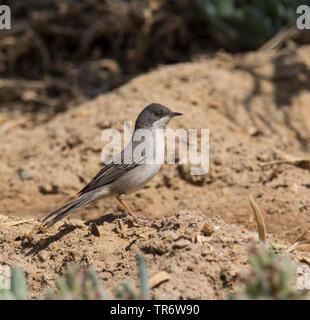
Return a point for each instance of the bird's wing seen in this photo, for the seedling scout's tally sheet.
(109, 173)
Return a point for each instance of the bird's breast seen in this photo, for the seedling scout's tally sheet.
(136, 178)
(152, 149)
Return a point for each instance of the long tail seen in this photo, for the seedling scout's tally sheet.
(67, 209)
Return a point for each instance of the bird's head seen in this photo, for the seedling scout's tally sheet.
(155, 116)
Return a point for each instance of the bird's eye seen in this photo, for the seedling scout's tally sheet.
(156, 113)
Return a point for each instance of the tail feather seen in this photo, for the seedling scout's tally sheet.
(67, 209)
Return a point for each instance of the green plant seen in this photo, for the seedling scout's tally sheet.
(18, 290)
(270, 277)
(79, 284)
(247, 24)
(126, 291)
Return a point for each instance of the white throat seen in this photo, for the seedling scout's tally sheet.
(161, 123)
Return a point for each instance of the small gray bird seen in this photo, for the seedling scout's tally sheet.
(119, 177)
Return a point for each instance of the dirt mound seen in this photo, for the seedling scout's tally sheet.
(199, 264)
(195, 257)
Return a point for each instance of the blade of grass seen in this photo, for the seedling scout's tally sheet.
(262, 233)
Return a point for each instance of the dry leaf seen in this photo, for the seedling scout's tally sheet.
(158, 279)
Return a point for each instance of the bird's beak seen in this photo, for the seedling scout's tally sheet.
(176, 114)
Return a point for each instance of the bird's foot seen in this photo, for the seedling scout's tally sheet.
(141, 221)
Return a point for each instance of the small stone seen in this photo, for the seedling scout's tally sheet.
(42, 242)
(207, 229)
(43, 256)
(25, 174)
(54, 246)
(182, 243)
(48, 189)
(28, 238)
(217, 161)
(294, 187)
(253, 131)
(94, 229)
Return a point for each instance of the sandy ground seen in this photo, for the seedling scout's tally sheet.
(257, 109)
(195, 257)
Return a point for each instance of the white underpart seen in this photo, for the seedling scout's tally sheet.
(161, 123)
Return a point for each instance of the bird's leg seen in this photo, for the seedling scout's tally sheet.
(124, 204)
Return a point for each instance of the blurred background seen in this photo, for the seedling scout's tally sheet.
(60, 53)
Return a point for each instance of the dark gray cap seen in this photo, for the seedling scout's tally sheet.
(152, 113)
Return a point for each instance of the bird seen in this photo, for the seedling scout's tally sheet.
(118, 177)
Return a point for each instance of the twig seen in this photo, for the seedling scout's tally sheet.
(14, 223)
(279, 39)
(293, 160)
(292, 247)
